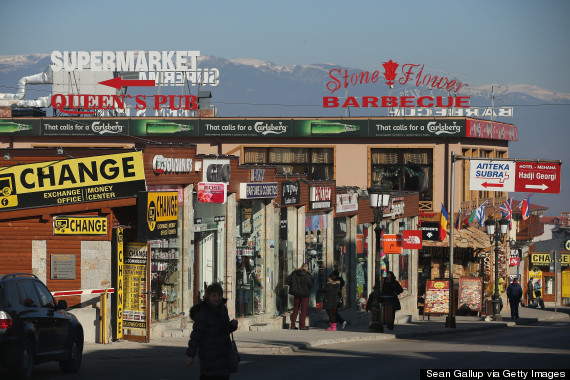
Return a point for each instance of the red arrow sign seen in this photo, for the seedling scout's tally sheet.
(487, 184)
(119, 82)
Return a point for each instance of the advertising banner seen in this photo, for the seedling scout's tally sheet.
(258, 190)
(158, 214)
(210, 192)
(470, 293)
(75, 180)
(436, 297)
(418, 128)
(245, 128)
(84, 127)
(80, 225)
(20, 127)
(135, 286)
(412, 239)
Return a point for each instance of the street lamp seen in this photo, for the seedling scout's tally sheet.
(496, 236)
(379, 200)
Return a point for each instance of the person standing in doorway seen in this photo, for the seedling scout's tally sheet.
(530, 292)
(339, 320)
(514, 294)
(300, 283)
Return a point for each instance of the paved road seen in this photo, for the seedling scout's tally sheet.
(543, 345)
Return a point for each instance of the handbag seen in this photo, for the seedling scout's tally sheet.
(233, 358)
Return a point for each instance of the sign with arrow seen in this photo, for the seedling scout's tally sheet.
(538, 177)
(119, 82)
(487, 175)
(392, 244)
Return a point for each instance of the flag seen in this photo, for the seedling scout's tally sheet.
(525, 207)
(507, 211)
(443, 223)
(471, 218)
(480, 214)
(458, 220)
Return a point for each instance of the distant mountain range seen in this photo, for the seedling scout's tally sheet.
(251, 87)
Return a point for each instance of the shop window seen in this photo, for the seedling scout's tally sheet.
(166, 277)
(341, 251)
(316, 248)
(404, 170)
(250, 255)
(362, 288)
(315, 163)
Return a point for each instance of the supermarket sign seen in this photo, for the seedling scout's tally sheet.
(514, 176)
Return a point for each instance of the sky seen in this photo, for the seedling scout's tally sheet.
(484, 42)
(507, 41)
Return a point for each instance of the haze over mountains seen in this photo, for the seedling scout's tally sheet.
(249, 87)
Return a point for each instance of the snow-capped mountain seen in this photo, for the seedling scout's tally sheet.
(253, 87)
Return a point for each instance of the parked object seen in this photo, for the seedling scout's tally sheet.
(34, 329)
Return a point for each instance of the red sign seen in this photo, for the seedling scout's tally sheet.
(392, 244)
(538, 177)
(514, 261)
(412, 239)
(209, 192)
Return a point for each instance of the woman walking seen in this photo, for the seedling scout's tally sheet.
(330, 303)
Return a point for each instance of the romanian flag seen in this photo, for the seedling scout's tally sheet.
(443, 223)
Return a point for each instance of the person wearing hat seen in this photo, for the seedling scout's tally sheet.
(514, 294)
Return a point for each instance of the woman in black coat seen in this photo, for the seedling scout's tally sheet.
(210, 336)
(330, 302)
(391, 287)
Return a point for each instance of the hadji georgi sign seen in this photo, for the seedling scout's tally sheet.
(511, 176)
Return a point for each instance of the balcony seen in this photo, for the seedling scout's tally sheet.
(530, 228)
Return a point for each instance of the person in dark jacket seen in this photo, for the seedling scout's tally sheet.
(530, 292)
(339, 320)
(390, 288)
(514, 294)
(210, 337)
(330, 302)
(300, 284)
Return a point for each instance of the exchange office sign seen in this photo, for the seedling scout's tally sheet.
(76, 180)
(158, 214)
(80, 225)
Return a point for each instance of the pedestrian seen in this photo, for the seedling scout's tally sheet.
(339, 320)
(210, 337)
(391, 288)
(330, 303)
(300, 284)
(530, 292)
(538, 293)
(514, 294)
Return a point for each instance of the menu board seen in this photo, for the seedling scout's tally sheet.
(470, 293)
(436, 297)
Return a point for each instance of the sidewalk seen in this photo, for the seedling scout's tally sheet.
(288, 341)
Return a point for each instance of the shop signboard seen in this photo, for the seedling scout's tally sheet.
(320, 197)
(470, 293)
(171, 165)
(158, 214)
(74, 180)
(136, 284)
(412, 239)
(216, 170)
(564, 259)
(347, 202)
(486, 129)
(80, 225)
(430, 231)
(436, 297)
(211, 192)
(392, 244)
(290, 193)
(540, 258)
(567, 245)
(258, 190)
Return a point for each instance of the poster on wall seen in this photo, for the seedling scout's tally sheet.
(470, 293)
(436, 297)
(136, 286)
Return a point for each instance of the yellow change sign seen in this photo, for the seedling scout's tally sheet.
(80, 225)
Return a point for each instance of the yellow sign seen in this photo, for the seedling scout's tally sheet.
(161, 207)
(80, 225)
(74, 180)
(565, 284)
(565, 259)
(541, 259)
(120, 279)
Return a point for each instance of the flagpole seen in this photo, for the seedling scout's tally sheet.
(450, 321)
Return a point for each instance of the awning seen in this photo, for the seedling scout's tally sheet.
(469, 237)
